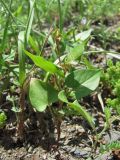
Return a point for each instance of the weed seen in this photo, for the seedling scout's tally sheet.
(3, 119)
(112, 78)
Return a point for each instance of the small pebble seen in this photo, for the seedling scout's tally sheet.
(62, 136)
(80, 153)
(30, 149)
(9, 151)
(34, 151)
(73, 150)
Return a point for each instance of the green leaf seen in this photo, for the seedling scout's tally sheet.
(75, 53)
(115, 145)
(83, 35)
(4, 42)
(107, 112)
(82, 111)
(3, 119)
(34, 45)
(30, 19)
(62, 96)
(83, 82)
(85, 77)
(44, 64)
(21, 41)
(16, 109)
(82, 92)
(18, 11)
(41, 94)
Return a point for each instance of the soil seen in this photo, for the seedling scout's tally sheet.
(39, 142)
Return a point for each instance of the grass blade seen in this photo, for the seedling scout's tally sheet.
(21, 42)
(30, 20)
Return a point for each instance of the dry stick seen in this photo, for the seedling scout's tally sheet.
(58, 50)
(58, 125)
(23, 89)
(46, 40)
(21, 114)
(58, 120)
(38, 16)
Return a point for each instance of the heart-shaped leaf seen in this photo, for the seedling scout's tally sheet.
(83, 81)
(41, 94)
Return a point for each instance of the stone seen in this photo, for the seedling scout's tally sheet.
(73, 150)
(30, 149)
(9, 151)
(80, 153)
(62, 136)
(113, 136)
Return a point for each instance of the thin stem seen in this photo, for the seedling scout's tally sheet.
(46, 40)
(20, 127)
(60, 16)
(41, 53)
(98, 137)
(38, 16)
(102, 51)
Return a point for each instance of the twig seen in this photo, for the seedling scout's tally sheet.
(46, 40)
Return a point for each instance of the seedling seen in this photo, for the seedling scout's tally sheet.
(62, 85)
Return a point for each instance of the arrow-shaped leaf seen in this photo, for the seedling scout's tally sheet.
(44, 64)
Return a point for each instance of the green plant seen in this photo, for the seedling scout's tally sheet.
(110, 147)
(3, 119)
(109, 119)
(62, 81)
(112, 78)
(99, 8)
